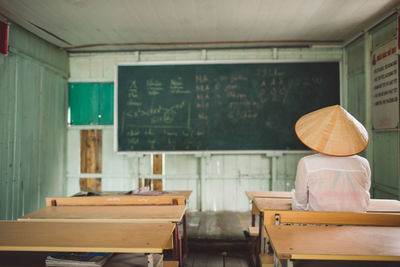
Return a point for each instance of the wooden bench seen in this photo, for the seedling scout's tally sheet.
(266, 260)
(170, 264)
(116, 200)
(334, 218)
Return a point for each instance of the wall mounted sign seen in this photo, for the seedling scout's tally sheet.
(385, 86)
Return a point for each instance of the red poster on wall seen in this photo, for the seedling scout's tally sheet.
(3, 38)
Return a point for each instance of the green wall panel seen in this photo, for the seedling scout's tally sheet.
(386, 151)
(33, 91)
(91, 103)
(384, 144)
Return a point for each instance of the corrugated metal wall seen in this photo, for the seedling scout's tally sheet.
(32, 123)
(218, 182)
(384, 151)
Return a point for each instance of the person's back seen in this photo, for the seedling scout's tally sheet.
(326, 183)
(337, 179)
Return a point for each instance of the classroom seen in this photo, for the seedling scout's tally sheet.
(114, 114)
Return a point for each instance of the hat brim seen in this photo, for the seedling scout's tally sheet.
(332, 131)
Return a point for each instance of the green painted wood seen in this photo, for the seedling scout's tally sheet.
(91, 103)
(106, 103)
(385, 144)
(386, 154)
(32, 123)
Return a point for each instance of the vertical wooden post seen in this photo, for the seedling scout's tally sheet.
(91, 159)
(91, 151)
(157, 169)
(157, 164)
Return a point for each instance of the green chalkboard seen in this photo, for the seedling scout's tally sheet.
(219, 107)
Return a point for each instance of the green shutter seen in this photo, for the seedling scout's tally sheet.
(91, 103)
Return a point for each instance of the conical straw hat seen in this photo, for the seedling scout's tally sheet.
(332, 131)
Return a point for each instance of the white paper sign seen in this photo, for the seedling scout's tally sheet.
(385, 87)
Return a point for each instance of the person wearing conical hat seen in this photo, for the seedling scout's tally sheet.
(336, 178)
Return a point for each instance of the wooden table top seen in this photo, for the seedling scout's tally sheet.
(384, 205)
(335, 242)
(375, 205)
(264, 204)
(184, 193)
(172, 213)
(85, 236)
(269, 194)
(116, 200)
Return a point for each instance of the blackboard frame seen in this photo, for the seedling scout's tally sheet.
(268, 152)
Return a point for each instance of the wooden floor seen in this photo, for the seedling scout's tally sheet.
(213, 259)
(215, 234)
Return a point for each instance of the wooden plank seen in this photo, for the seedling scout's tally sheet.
(264, 204)
(170, 264)
(254, 209)
(170, 243)
(335, 242)
(266, 260)
(157, 163)
(336, 218)
(269, 194)
(157, 184)
(172, 213)
(375, 205)
(85, 237)
(91, 151)
(90, 184)
(254, 231)
(115, 200)
(185, 193)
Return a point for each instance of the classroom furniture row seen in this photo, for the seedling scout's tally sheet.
(326, 236)
(72, 216)
(123, 237)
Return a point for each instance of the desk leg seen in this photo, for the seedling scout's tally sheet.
(180, 250)
(185, 236)
(150, 260)
(261, 248)
(176, 245)
(253, 220)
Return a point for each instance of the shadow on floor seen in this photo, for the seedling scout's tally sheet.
(215, 237)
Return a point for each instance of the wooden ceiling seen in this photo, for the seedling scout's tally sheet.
(94, 25)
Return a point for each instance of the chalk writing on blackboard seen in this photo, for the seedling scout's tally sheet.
(219, 107)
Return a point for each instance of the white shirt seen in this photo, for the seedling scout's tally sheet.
(326, 183)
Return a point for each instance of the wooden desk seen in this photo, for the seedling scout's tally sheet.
(115, 214)
(112, 198)
(85, 237)
(110, 214)
(269, 194)
(359, 243)
(261, 205)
